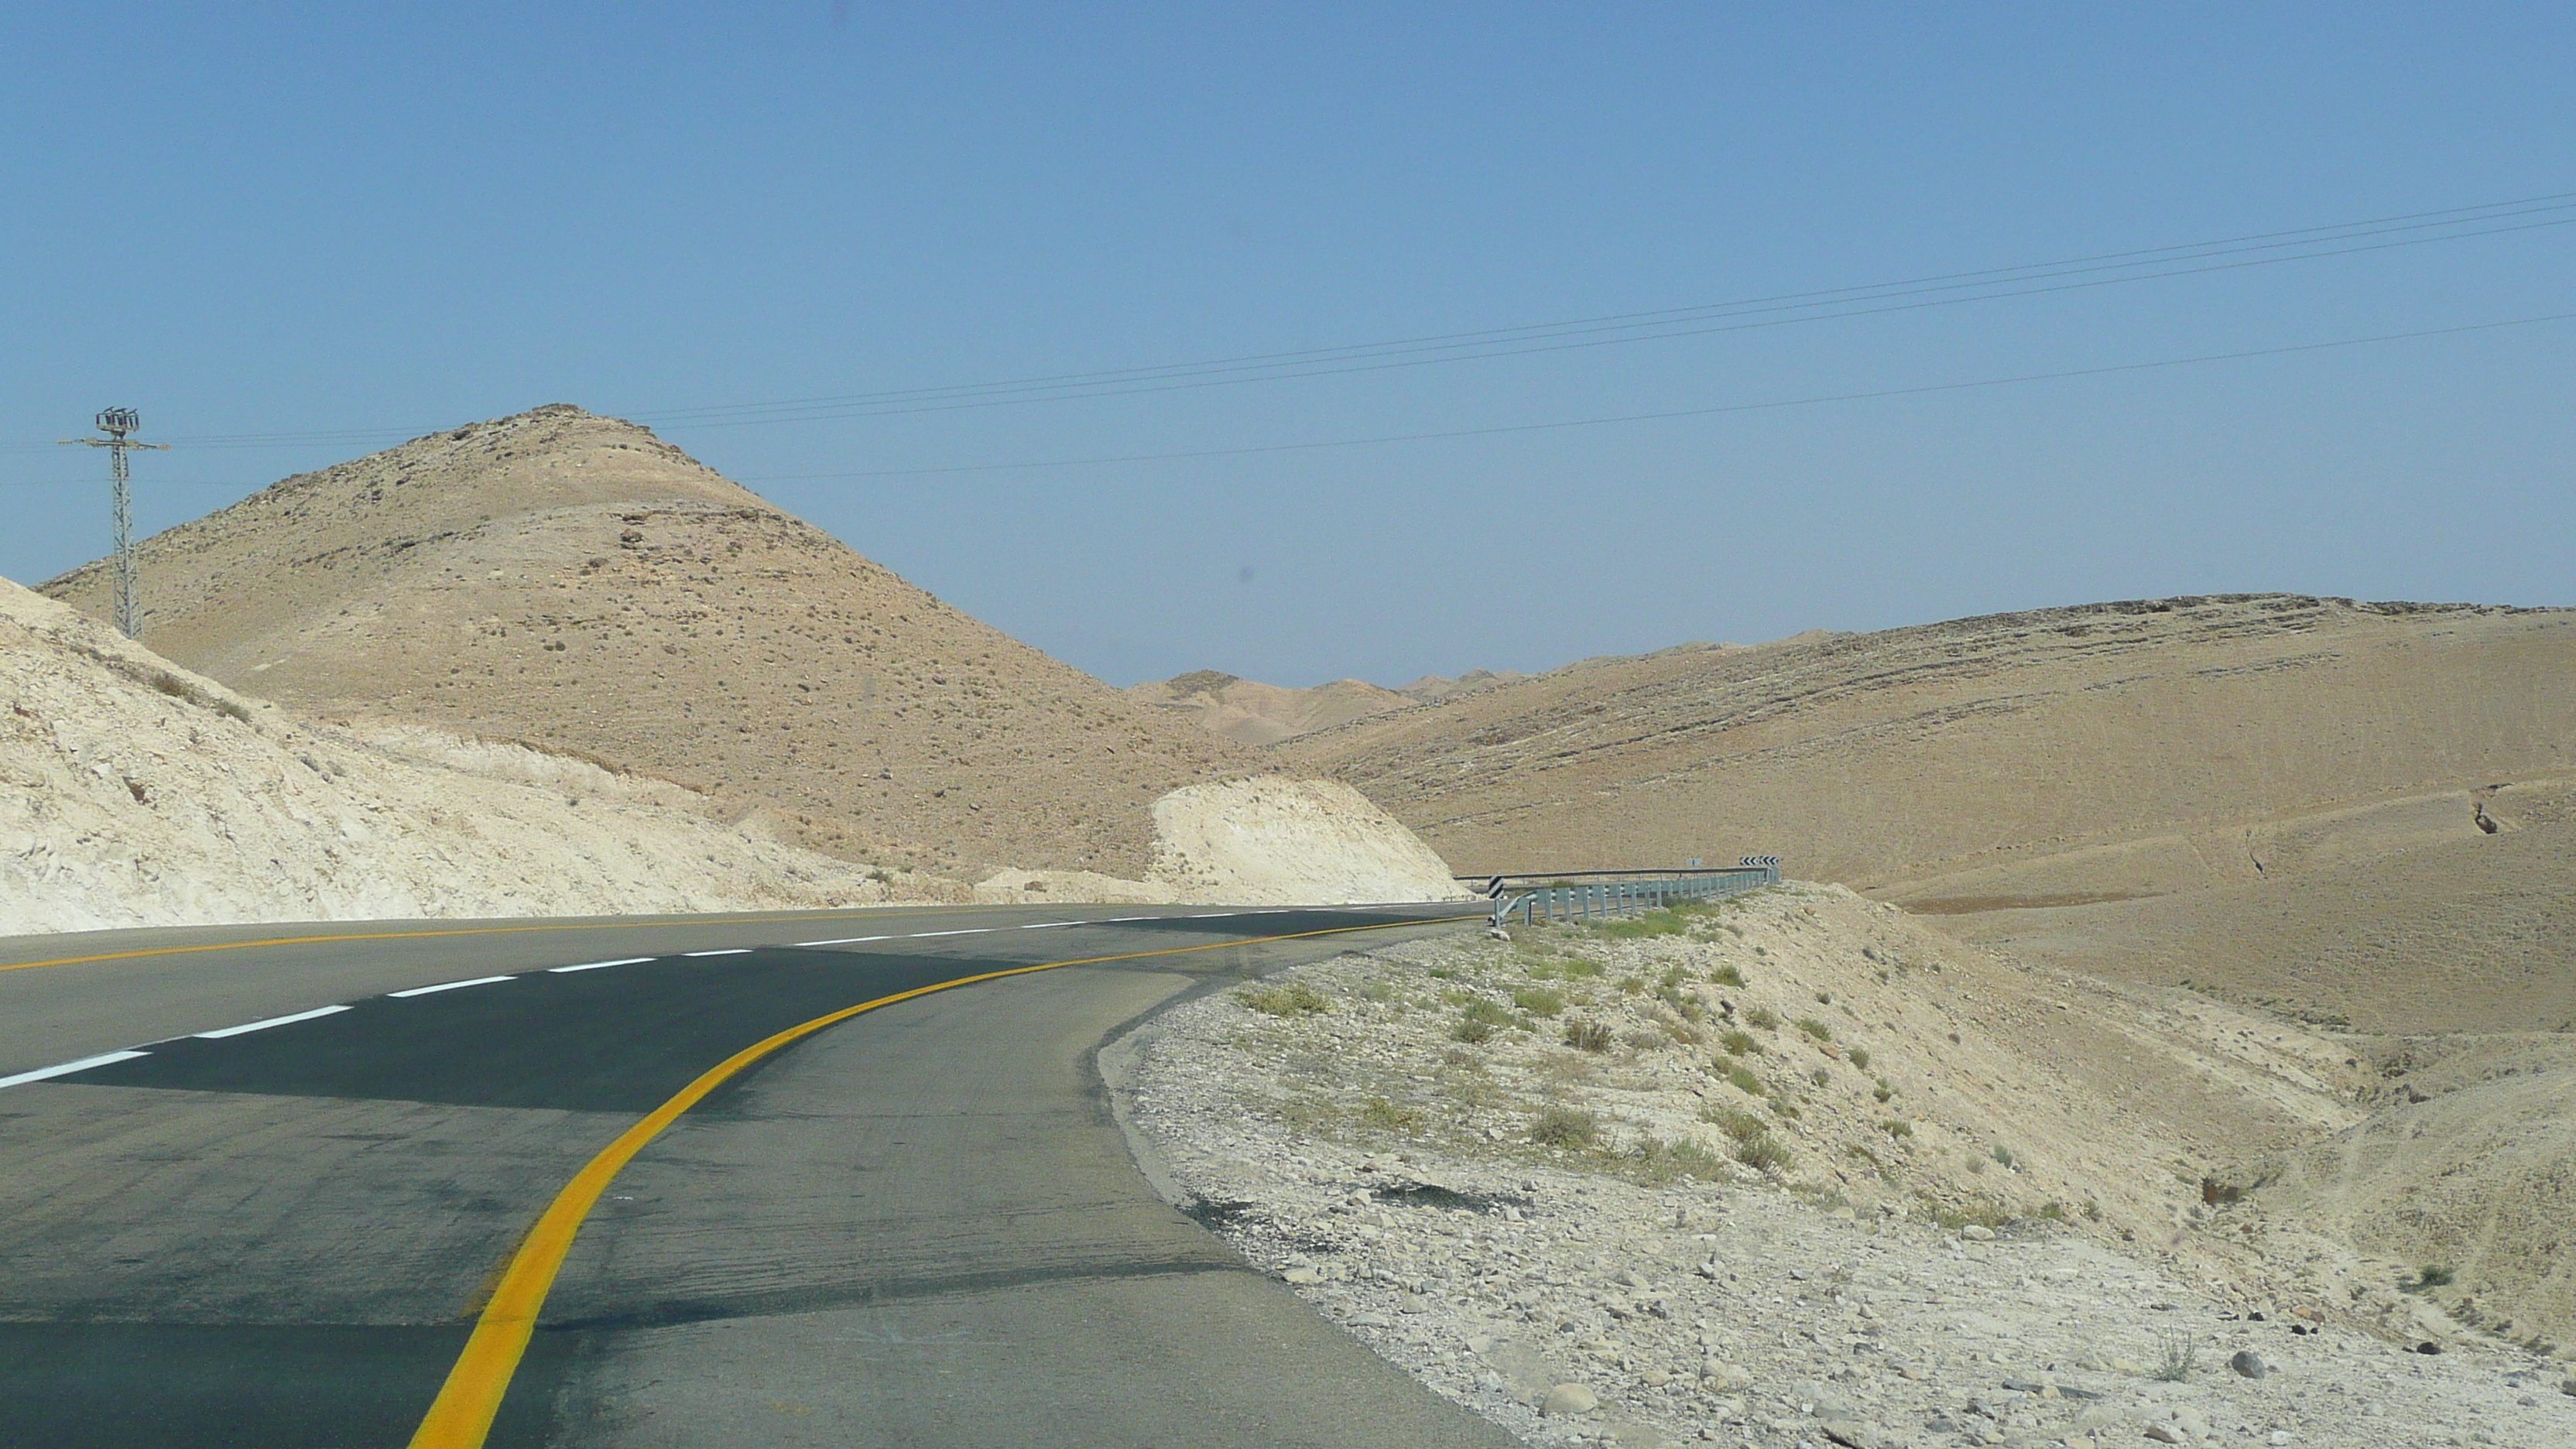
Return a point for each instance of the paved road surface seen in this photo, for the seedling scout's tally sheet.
(917, 1227)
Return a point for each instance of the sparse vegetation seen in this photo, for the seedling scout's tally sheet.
(2427, 1278)
(1538, 1001)
(1735, 1123)
(1815, 1028)
(1294, 999)
(1742, 1079)
(1859, 1057)
(2176, 1356)
(1658, 1161)
(1590, 1036)
(2005, 1156)
(1821, 1077)
(1726, 976)
(1897, 1127)
(1565, 1127)
(1389, 1117)
(1762, 1018)
(1763, 1153)
(1739, 1043)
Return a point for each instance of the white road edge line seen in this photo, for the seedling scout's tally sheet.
(66, 1068)
(969, 931)
(450, 986)
(596, 965)
(727, 951)
(845, 941)
(1123, 920)
(250, 1026)
(1043, 925)
(1214, 915)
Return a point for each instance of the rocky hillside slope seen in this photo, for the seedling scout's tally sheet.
(573, 582)
(135, 793)
(1806, 1169)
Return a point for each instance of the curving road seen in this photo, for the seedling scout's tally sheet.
(320, 1186)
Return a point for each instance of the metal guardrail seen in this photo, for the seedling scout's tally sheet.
(1611, 899)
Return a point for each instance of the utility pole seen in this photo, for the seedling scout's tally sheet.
(119, 425)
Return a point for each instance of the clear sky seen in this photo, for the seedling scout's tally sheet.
(385, 220)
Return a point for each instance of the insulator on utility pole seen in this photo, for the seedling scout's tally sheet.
(120, 424)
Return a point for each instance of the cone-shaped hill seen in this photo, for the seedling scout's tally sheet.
(574, 582)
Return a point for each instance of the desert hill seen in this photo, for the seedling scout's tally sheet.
(576, 583)
(1263, 714)
(1254, 713)
(2206, 789)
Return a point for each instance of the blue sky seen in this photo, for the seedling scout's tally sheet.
(279, 221)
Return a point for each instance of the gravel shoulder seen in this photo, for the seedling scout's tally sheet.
(1574, 1182)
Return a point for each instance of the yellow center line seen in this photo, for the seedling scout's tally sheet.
(640, 922)
(462, 1414)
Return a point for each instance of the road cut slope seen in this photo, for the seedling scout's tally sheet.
(574, 582)
(138, 793)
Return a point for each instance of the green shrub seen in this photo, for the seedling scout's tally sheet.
(1590, 1036)
(1736, 1124)
(1386, 1115)
(1564, 1127)
(1294, 999)
(2430, 1276)
(2004, 1155)
(1762, 1018)
(1742, 1079)
(1656, 1161)
(1582, 966)
(1726, 976)
(1763, 1153)
(1859, 1057)
(1815, 1028)
(1538, 1001)
(1472, 1029)
(1897, 1127)
(1666, 922)
(1739, 1043)
(1821, 1077)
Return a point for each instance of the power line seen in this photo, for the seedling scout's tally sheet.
(1920, 390)
(1950, 289)
(119, 425)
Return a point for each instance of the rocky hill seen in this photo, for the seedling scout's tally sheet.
(574, 582)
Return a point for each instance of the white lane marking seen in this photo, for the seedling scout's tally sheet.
(1214, 915)
(596, 965)
(970, 931)
(1123, 920)
(727, 951)
(84, 1064)
(250, 1026)
(1043, 925)
(845, 941)
(449, 986)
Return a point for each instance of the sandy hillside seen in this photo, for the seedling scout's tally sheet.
(574, 582)
(138, 794)
(1803, 1162)
(2231, 791)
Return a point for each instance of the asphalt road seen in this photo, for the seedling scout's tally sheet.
(919, 1226)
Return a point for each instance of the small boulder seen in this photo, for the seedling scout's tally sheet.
(1567, 1400)
(2248, 1363)
(1301, 1277)
(1977, 1233)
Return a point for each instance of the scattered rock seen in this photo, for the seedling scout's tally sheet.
(2248, 1363)
(1567, 1400)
